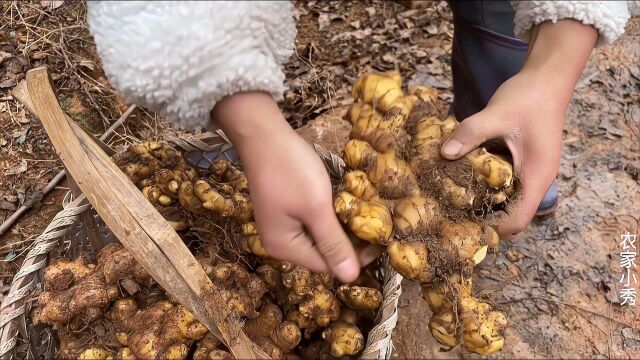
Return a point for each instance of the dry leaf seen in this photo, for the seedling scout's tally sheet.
(5, 205)
(323, 21)
(432, 29)
(358, 34)
(405, 33)
(361, 34)
(3, 142)
(10, 198)
(39, 55)
(370, 11)
(355, 24)
(17, 169)
(611, 130)
(51, 4)
(426, 79)
(420, 53)
(21, 196)
(21, 135)
(8, 83)
(408, 13)
(4, 55)
(21, 117)
(630, 333)
(88, 64)
(389, 57)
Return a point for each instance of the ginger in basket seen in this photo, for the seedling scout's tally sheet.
(242, 291)
(162, 330)
(76, 292)
(167, 181)
(285, 306)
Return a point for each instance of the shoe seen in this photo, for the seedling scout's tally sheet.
(549, 201)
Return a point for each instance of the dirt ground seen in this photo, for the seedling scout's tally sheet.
(558, 283)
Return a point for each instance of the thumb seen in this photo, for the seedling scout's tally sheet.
(334, 245)
(472, 132)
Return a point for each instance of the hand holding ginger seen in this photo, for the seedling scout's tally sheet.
(527, 113)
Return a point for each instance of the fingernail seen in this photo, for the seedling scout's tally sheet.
(347, 271)
(452, 148)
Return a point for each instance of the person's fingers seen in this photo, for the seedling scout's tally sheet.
(332, 242)
(368, 253)
(299, 249)
(472, 132)
(519, 213)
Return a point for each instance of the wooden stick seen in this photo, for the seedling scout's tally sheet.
(22, 95)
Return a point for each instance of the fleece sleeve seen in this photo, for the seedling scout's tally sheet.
(608, 17)
(180, 58)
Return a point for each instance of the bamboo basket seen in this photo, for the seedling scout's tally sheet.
(78, 229)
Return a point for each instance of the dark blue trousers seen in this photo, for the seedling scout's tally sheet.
(485, 52)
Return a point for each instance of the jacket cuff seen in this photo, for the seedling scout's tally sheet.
(608, 17)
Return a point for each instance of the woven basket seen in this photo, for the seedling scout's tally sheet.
(77, 229)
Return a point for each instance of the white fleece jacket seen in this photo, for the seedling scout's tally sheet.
(180, 58)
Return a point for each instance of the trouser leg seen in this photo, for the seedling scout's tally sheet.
(485, 52)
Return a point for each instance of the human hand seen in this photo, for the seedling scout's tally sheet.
(527, 113)
(521, 114)
(290, 188)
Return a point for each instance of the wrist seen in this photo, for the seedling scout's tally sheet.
(250, 120)
(557, 55)
(546, 87)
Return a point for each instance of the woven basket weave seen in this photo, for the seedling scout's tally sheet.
(77, 229)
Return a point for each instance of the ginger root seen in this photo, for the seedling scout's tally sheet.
(208, 348)
(163, 176)
(162, 330)
(482, 328)
(387, 172)
(148, 326)
(275, 336)
(226, 172)
(141, 160)
(241, 290)
(343, 336)
(251, 242)
(411, 260)
(359, 297)
(322, 306)
(238, 205)
(428, 211)
(95, 354)
(360, 207)
(416, 213)
(312, 294)
(77, 292)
